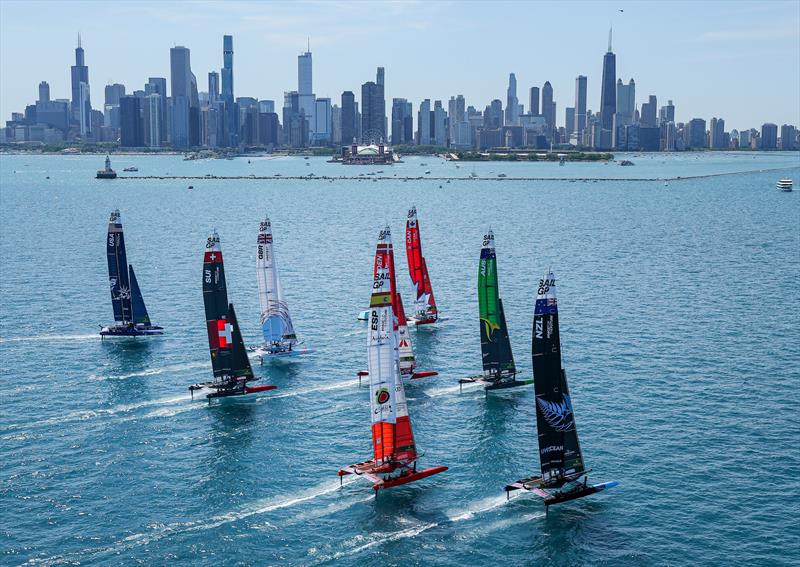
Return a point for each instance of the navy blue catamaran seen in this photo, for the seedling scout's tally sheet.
(130, 314)
(559, 450)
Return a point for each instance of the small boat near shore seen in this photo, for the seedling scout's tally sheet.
(784, 185)
(132, 168)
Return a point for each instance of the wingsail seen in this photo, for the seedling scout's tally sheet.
(280, 339)
(425, 310)
(393, 447)
(384, 263)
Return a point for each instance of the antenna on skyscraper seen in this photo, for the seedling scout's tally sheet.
(308, 50)
(610, 29)
(79, 39)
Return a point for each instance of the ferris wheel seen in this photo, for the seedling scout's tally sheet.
(372, 136)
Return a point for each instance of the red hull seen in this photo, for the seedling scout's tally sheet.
(254, 389)
(408, 478)
(424, 374)
(419, 322)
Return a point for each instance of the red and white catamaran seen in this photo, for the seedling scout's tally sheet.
(384, 259)
(425, 311)
(394, 459)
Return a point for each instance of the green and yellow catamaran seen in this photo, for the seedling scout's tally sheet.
(499, 370)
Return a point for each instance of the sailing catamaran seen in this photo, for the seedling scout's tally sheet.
(130, 314)
(394, 459)
(229, 359)
(499, 370)
(384, 259)
(425, 311)
(559, 450)
(276, 323)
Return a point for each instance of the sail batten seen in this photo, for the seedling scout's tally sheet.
(559, 448)
(424, 303)
(276, 322)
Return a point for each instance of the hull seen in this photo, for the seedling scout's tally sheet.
(131, 331)
(497, 384)
(269, 354)
(210, 393)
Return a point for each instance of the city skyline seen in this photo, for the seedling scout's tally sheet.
(269, 70)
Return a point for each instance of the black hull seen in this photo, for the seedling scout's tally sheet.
(560, 497)
(126, 331)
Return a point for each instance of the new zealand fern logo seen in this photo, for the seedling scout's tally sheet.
(557, 415)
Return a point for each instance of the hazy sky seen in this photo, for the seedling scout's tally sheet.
(739, 60)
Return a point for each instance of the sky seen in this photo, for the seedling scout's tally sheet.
(734, 59)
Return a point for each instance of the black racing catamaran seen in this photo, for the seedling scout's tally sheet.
(130, 314)
(499, 370)
(559, 450)
(232, 370)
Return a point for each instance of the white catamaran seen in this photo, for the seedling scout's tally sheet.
(280, 340)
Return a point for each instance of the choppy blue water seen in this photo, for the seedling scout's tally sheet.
(679, 310)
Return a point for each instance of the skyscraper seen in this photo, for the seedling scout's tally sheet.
(716, 133)
(769, 136)
(580, 106)
(213, 87)
(401, 112)
(227, 94)
(349, 126)
(696, 133)
(667, 113)
(512, 103)
(305, 88)
(788, 137)
(608, 97)
(439, 123)
(533, 104)
(322, 122)
(373, 111)
(181, 89)
(131, 132)
(81, 103)
(624, 116)
(158, 85)
(424, 122)
(548, 108)
(44, 92)
(569, 122)
(649, 110)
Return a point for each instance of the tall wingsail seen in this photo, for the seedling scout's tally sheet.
(118, 270)
(425, 310)
(392, 437)
(138, 310)
(495, 344)
(559, 449)
(408, 361)
(215, 300)
(276, 323)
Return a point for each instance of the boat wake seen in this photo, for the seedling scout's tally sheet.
(151, 371)
(316, 389)
(83, 415)
(161, 531)
(361, 543)
(51, 338)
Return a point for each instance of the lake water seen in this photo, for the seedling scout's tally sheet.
(679, 310)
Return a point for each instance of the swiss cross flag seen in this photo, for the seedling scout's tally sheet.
(225, 333)
(220, 334)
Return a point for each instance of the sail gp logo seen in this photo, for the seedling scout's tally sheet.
(382, 396)
(558, 415)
